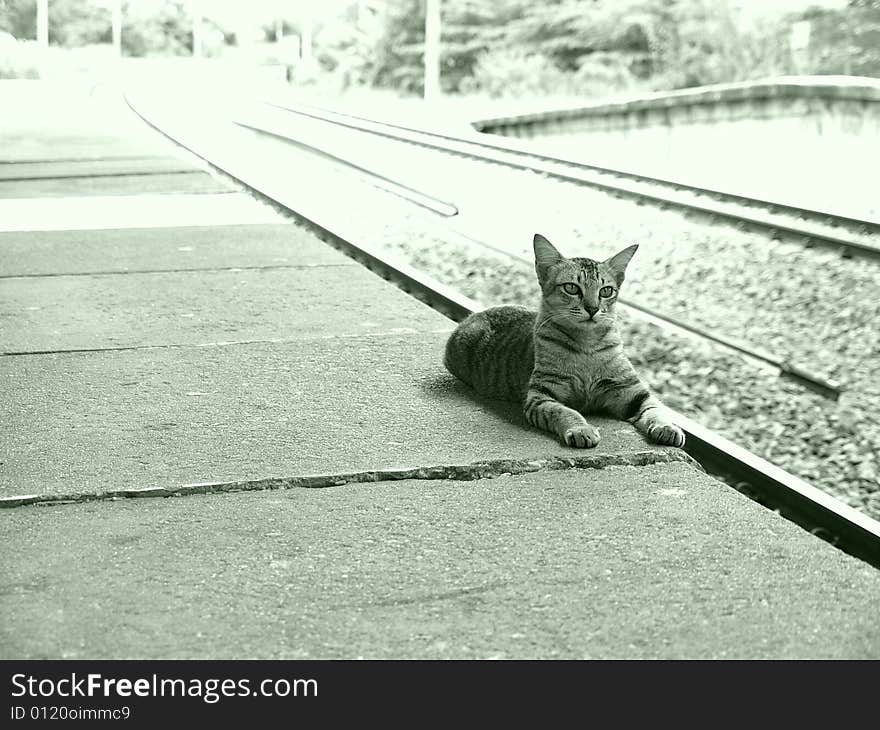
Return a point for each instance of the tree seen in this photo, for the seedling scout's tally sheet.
(593, 47)
(844, 40)
(163, 28)
(569, 31)
(470, 29)
(565, 32)
(71, 22)
(397, 52)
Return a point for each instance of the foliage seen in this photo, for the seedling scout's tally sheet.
(508, 72)
(845, 40)
(397, 52)
(161, 27)
(587, 47)
(593, 47)
(71, 22)
(700, 42)
(568, 31)
(486, 43)
(512, 73)
(18, 18)
(163, 30)
(511, 47)
(469, 29)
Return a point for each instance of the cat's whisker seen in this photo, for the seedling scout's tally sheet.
(548, 318)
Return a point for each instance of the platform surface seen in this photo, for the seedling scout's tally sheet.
(168, 248)
(623, 562)
(193, 181)
(197, 344)
(207, 371)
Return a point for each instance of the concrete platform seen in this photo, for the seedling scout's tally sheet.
(44, 120)
(96, 167)
(184, 182)
(202, 307)
(58, 253)
(193, 347)
(110, 176)
(648, 562)
(149, 210)
(58, 144)
(313, 368)
(88, 423)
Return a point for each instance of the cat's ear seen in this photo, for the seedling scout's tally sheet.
(545, 254)
(618, 262)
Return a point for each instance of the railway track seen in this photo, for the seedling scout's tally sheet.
(802, 376)
(813, 509)
(847, 235)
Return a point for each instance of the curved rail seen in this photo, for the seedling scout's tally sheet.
(850, 236)
(848, 529)
(419, 197)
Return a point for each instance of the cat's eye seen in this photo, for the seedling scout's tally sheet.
(606, 291)
(571, 288)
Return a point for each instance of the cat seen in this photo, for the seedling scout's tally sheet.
(564, 360)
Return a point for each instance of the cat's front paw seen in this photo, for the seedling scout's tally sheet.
(582, 437)
(668, 434)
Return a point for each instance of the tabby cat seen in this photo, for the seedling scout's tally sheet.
(564, 360)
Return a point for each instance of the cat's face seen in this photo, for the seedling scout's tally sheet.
(580, 291)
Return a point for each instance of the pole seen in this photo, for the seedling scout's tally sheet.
(196, 6)
(432, 49)
(305, 52)
(117, 27)
(43, 23)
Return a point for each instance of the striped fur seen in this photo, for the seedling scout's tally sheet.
(564, 360)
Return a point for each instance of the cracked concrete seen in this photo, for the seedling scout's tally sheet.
(655, 561)
(86, 423)
(454, 472)
(155, 402)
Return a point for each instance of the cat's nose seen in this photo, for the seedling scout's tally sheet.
(591, 310)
